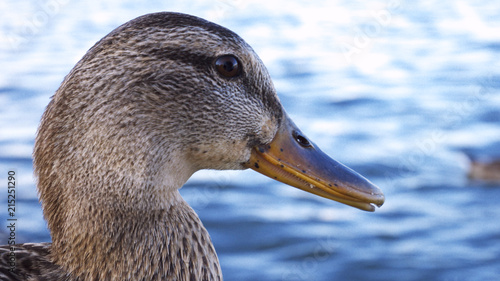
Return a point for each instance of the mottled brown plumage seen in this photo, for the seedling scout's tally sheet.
(154, 101)
(135, 118)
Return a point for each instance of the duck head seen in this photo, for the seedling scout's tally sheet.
(154, 101)
(161, 97)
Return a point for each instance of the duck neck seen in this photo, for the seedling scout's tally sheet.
(110, 197)
(126, 243)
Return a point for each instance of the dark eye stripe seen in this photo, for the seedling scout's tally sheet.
(197, 60)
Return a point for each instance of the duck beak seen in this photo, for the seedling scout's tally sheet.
(292, 159)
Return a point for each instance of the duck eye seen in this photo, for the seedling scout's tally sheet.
(228, 66)
(301, 140)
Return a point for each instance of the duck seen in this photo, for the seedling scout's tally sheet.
(157, 99)
(485, 170)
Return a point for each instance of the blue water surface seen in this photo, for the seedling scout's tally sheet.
(402, 91)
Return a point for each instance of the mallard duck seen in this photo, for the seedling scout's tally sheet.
(154, 101)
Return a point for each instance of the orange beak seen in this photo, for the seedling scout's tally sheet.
(292, 159)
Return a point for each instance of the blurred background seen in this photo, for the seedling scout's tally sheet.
(405, 92)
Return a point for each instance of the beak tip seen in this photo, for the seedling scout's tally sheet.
(378, 198)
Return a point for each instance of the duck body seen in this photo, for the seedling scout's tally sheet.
(154, 101)
(485, 170)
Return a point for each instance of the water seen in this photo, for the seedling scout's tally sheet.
(401, 92)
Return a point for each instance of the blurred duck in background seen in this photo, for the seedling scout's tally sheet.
(485, 170)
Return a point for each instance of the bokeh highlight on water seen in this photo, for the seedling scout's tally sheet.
(404, 92)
